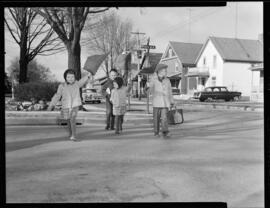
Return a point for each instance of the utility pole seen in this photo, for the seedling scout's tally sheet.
(189, 25)
(147, 100)
(148, 47)
(138, 58)
(236, 18)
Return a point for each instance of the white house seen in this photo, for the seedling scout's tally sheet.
(227, 62)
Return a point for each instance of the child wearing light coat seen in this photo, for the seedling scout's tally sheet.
(69, 93)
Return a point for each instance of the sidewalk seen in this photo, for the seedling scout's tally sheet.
(236, 105)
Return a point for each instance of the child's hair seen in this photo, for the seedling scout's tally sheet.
(114, 70)
(69, 71)
(119, 81)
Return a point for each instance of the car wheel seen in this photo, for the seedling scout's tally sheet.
(236, 98)
(227, 100)
(99, 101)
(202, 99)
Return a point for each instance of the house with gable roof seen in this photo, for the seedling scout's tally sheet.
(227, 62)
(179, 57)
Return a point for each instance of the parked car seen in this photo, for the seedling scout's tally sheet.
(91, 95)
(217, 92)
(175, 91)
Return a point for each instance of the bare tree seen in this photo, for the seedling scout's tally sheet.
(68, 23)
(33, 35)
(113, 36)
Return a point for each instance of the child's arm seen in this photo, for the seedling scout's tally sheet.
(84, 79)
(170, 93)
(56, 97)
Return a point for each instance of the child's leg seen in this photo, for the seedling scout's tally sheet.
(121, 122)
(117, 123)
(73, 126)
(69, 127)
(73, 116)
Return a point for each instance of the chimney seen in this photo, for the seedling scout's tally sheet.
(260, 37)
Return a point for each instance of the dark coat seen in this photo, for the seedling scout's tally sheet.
(108, 84)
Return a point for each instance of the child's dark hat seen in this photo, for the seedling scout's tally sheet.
(160, 66)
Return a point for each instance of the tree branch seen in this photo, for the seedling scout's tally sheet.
(10, 30)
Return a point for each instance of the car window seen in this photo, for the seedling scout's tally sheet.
(223, 89)
(208, 89)
(90, 91)
(216, 89)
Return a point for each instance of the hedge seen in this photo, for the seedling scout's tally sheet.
(37, 90)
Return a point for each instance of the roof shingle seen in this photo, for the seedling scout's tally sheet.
(241, 50)
(186, 52)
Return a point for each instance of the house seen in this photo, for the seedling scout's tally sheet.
(147, 68)
(226, 62)
(257, 76)
(180, 57)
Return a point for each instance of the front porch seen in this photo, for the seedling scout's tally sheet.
(257, 83)
(196, 79)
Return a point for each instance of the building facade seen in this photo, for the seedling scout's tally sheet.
(226, 62)
(180, 57)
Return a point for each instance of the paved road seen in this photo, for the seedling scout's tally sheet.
(214, 156)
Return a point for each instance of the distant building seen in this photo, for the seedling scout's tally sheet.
(226, 62)
(257, 77)
(180, 57)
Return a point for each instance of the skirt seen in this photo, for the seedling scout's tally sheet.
(120, 110)
(68, 113)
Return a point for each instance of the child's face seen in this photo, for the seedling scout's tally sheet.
(70, 78)
(115, 85)
(113, 75)
(162, 73)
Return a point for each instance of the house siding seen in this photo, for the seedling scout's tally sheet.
(171, 69)
(238, 77)
(171, 65)
(209, 52)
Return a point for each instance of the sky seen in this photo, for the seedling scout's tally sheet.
(164, 24)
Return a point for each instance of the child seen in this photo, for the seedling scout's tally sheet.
(69, 92)
(161, 90)
(118, 99)
(106, 91)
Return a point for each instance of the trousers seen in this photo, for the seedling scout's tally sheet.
(160, 116)
(109, 115)
(119, 122)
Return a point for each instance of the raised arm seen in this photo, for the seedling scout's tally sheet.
(84, 79)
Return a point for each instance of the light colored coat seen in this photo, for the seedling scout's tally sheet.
(118, 98)
(69, 94)
(161, 92)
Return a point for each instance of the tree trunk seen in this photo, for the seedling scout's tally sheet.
(74, 58)
(23, 60)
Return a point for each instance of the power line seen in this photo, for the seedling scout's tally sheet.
(192, 21)
(182, 22)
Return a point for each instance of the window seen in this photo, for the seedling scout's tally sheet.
(176, 67)
(204, 61)
(213, 81)
(223, 89)
(214, 61)
(215, 90)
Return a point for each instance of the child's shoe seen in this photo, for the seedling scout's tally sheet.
(72, 138)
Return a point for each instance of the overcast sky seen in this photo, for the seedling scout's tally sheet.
(163, 24)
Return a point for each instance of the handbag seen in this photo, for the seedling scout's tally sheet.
(175, 116)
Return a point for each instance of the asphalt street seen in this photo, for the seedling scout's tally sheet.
(216, 155)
